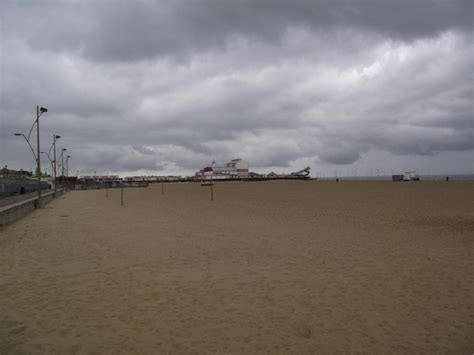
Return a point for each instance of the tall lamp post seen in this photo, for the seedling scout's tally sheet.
(67, 168)
(55, 137)
(62, 165)
(49, 158)
(39, 112)
(53, 161)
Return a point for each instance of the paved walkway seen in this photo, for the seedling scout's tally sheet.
(5, 201)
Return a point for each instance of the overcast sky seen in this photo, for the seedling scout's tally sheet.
(165, 87)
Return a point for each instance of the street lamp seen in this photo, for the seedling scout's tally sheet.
(62, 165)
(53, 146)
(55, 137)
(49, 158)
(67, 167)
(39, 112)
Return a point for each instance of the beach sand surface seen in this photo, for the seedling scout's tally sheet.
(267, 267)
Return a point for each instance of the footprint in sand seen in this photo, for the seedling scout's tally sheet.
(303, 330)
(18, 330)
(64, 333)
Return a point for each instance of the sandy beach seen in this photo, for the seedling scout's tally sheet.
(268, 267)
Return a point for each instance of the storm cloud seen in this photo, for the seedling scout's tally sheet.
(138, 87)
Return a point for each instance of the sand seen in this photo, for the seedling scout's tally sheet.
(268, 267)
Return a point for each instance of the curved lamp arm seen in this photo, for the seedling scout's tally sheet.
(29, 145)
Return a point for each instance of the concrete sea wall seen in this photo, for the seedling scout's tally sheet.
(17, 210)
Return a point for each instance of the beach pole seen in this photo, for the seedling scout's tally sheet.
(121, 196)
(212, 192)
(107, 191)
(162, 188)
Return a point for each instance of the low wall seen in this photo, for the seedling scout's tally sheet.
(20, 209)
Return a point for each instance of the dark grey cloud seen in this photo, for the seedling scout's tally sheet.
(167, 87)
(340, 156)
(128, 31)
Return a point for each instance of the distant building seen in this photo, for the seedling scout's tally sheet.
(154, 178)
(235, 169)
(407, 176)
(97, 179)
(8, 173)
(411, 176)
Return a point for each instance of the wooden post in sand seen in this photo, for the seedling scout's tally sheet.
(212, 192)
(162, 188)
(121, 196)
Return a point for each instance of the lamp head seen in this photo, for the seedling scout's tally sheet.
(18, 134)
(56, 136)
(43, 109)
